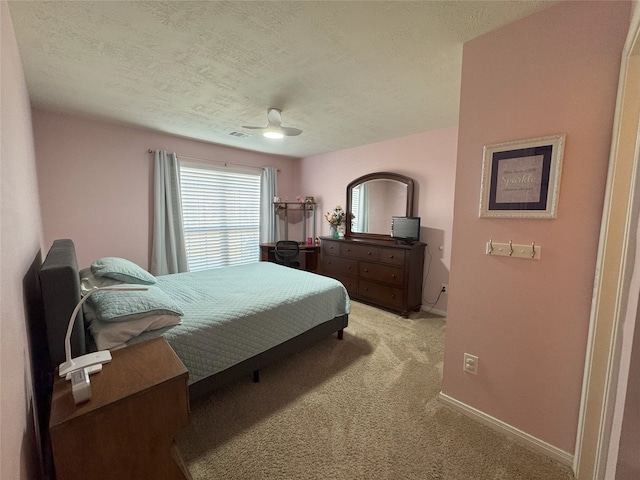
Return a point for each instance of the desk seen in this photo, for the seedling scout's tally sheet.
(126, 430)
(309, 255)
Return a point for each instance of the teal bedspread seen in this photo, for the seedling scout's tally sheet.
(234, 313)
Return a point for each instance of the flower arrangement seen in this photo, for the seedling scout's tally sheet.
(335, 218)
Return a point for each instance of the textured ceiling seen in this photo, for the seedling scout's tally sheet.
(346, 73)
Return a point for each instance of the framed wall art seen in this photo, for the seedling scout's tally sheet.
(521, 179)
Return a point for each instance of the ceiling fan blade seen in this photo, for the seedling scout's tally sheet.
(274, 118)
(290, 131)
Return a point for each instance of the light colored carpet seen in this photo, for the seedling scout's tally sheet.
(362, 408)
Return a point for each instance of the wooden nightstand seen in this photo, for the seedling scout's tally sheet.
(126, 430)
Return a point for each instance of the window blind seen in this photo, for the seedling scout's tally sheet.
(221, 216)
(356, 221)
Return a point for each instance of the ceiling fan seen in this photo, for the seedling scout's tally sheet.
(274, 128)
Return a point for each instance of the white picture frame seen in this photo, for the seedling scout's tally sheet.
(521, 179)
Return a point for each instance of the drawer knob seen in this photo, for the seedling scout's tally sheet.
(393, 275)
(348, 249)
(368, 253)
(366, 270)
(348, 267)
(390, 256)
(393, 296)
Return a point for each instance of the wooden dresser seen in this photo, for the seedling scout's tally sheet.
(139, 403)
(380, 272)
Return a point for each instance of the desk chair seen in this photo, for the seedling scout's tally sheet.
(287, 252)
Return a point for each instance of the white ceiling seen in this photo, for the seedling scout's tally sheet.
(347, 73)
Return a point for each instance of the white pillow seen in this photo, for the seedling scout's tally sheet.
(109, 335)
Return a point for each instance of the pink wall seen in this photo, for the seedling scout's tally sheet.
(429, 158)
(96, 181)
(527, 321)
(19, 249)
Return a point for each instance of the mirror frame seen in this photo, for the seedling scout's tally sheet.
(377, 176)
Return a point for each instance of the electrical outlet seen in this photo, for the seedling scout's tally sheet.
(470, 364)
(444, 288)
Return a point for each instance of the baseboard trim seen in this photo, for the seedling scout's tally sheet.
(517, 435)
(442, 313)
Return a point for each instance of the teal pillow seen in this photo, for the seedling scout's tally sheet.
(123, 270)
(123, 305)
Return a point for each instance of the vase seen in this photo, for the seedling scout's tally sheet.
(334, 231)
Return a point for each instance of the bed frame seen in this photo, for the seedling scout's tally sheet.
(60, 285)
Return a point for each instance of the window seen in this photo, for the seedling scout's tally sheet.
(221, 216)
(355, 207)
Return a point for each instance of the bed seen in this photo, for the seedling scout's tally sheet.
(232, 321)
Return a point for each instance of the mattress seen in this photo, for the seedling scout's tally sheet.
(234, 313)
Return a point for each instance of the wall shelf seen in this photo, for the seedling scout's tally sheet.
(308, 210)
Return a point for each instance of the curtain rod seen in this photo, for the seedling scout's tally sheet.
(226, 164)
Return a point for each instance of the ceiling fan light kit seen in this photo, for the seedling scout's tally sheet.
(273, 134)
(274, 128)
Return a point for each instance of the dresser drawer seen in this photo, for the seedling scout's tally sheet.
(360, 252)
(330, 248)
(333, 265)
(392, 256)
(350, 283)
(389, 297)
(381, 273)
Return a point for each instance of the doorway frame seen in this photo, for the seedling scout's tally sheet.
(613, 296)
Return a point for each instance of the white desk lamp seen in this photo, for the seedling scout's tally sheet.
(90, 359)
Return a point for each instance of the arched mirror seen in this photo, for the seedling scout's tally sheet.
(373, 199)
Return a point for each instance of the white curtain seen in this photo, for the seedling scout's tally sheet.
(269, 222)
(168, 252)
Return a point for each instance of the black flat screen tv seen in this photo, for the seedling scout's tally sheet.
(405, 228)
